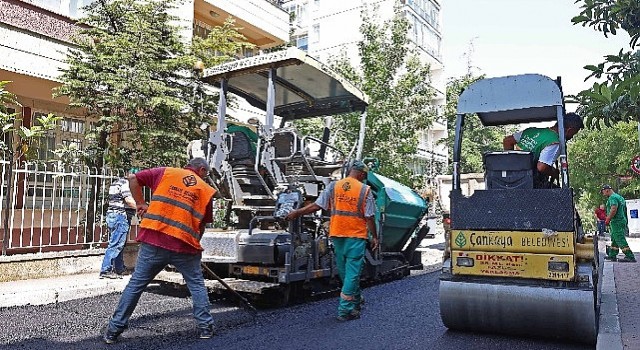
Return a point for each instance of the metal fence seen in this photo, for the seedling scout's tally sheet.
(51, 207)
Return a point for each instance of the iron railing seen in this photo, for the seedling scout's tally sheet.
(51, 207)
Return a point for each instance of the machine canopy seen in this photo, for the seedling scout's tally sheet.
(515, 99)
(304, 87)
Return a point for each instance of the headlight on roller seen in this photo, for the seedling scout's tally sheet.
(463, 261)
(559, 266)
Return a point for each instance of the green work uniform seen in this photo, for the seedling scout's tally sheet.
(535, 140)
(349, 261)
(618, 226)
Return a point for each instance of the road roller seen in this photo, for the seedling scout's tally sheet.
(517, 260)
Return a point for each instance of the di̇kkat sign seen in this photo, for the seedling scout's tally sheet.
(635, 164)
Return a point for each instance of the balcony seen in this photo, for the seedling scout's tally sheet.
(263, 22)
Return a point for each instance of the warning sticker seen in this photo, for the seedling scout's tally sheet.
(521, 265)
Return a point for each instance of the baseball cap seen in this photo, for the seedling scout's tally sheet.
(605, 187)
(359, 165)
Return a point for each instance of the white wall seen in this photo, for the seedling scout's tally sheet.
(633, 214)
(31, 54)
(469, 183)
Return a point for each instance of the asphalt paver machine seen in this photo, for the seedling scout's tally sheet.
(517, 260)
(263, 171)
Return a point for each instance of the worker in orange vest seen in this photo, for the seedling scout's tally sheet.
(172, 225)
(352, 208)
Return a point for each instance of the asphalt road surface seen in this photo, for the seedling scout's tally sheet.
(398, 315)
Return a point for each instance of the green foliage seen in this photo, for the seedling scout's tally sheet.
(616, 97)
(399, 92)
(604, 157)
(131, 72)
(477, 139)
(28, 137)
(220, 44)
(608, 16)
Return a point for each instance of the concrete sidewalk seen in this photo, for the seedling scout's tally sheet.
(57, 289)
(619, 322)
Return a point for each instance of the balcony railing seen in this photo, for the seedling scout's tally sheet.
(278, 3)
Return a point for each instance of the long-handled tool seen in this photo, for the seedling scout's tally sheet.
(244, 300)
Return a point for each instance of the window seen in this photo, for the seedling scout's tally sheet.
(302, 42)
(46, 143)
(73, 125)
(301, 15)
(201, 29)
(427, 11)
(299, 12)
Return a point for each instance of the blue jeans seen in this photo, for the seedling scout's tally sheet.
(601, 227)
(151, 260)
(118, 225)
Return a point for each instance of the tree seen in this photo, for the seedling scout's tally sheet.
(600, 157)
(617, 98)
(477, 139)
(399, 91)
(134, 75)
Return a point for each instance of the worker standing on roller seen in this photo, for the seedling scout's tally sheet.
(352, 209)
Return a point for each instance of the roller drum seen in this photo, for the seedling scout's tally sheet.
(520, 310)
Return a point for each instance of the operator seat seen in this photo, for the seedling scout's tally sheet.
(240, 151)
(508, 170)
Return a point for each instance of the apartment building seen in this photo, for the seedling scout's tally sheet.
(36, 34)
(325, 28)
(57, 206)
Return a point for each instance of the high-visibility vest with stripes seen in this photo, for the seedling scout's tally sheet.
(347, 209)
(178, 205)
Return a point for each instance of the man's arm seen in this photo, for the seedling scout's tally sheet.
(136, 192)
(548, 170)
(509, 143)
(545, 162)
(612, 213)
(309, 208)
(131, 203)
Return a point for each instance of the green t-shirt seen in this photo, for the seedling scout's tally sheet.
(535, 140)
(621, 214)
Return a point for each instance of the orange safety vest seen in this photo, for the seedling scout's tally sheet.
(178, 205)
(347, 209)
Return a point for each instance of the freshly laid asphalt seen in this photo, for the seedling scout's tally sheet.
(402, 314)
(398, 315)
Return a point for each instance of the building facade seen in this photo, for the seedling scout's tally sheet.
(54, 206)
(36, 34)
(327, 28)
